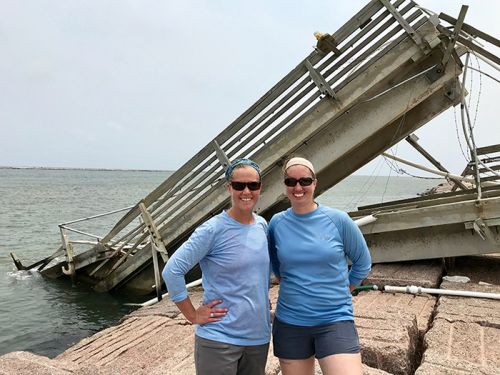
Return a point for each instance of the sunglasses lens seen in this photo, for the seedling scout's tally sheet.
(253, 185)
(240, 186)
(304, 181)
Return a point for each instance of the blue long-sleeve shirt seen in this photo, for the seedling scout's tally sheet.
(234, 260)
(310, 254)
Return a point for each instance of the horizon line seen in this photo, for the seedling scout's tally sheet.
(85, 169)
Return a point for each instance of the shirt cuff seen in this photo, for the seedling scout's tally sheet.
(179, 296)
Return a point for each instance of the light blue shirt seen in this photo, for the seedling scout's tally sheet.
(234, 260)
(310, 253)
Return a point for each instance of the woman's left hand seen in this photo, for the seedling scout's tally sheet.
(209, 313)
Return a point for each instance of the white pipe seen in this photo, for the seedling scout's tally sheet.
(365, 220)
(155, 300)
(462, 293)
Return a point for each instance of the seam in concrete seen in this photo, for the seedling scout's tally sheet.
(481, 339)
(481, 323)
(450, 342)
(115, 353)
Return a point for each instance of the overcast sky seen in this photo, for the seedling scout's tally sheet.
(146, 84)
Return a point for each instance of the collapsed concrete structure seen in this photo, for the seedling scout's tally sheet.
(385, 73)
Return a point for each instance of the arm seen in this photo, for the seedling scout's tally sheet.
(188, 255)
(357, 251)
(273, 256)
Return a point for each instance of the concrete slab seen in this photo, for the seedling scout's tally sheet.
(460, 348)
(465, 335)
(157, 340)
(140, 345)
(154, 340)
(24, 363)
(450, 368)
(422, 273)
(485, 312)
(388, 340)
(422, 306)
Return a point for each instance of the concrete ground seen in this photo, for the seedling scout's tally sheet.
(399, 333)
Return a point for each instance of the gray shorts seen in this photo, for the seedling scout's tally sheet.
(218, 358)
(299, 342)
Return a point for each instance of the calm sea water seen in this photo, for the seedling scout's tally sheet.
(46, 316)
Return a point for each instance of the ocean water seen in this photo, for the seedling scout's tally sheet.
(46, 316)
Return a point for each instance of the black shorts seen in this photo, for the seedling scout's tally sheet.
(299, 342)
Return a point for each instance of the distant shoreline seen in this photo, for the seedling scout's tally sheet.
(3, 167)
(86, 169)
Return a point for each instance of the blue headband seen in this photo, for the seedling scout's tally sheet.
(237, 162)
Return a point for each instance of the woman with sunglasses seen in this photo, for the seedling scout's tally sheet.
(310, 245)
(233, 323)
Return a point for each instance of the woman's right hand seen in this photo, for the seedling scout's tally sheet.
(209, 313)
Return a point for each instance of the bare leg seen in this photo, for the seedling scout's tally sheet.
(297, 366)
(341, 364)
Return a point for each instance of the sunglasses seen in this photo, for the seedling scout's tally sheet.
(240, 186)
(303, 181)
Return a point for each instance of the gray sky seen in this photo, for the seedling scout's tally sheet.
(146, 84)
